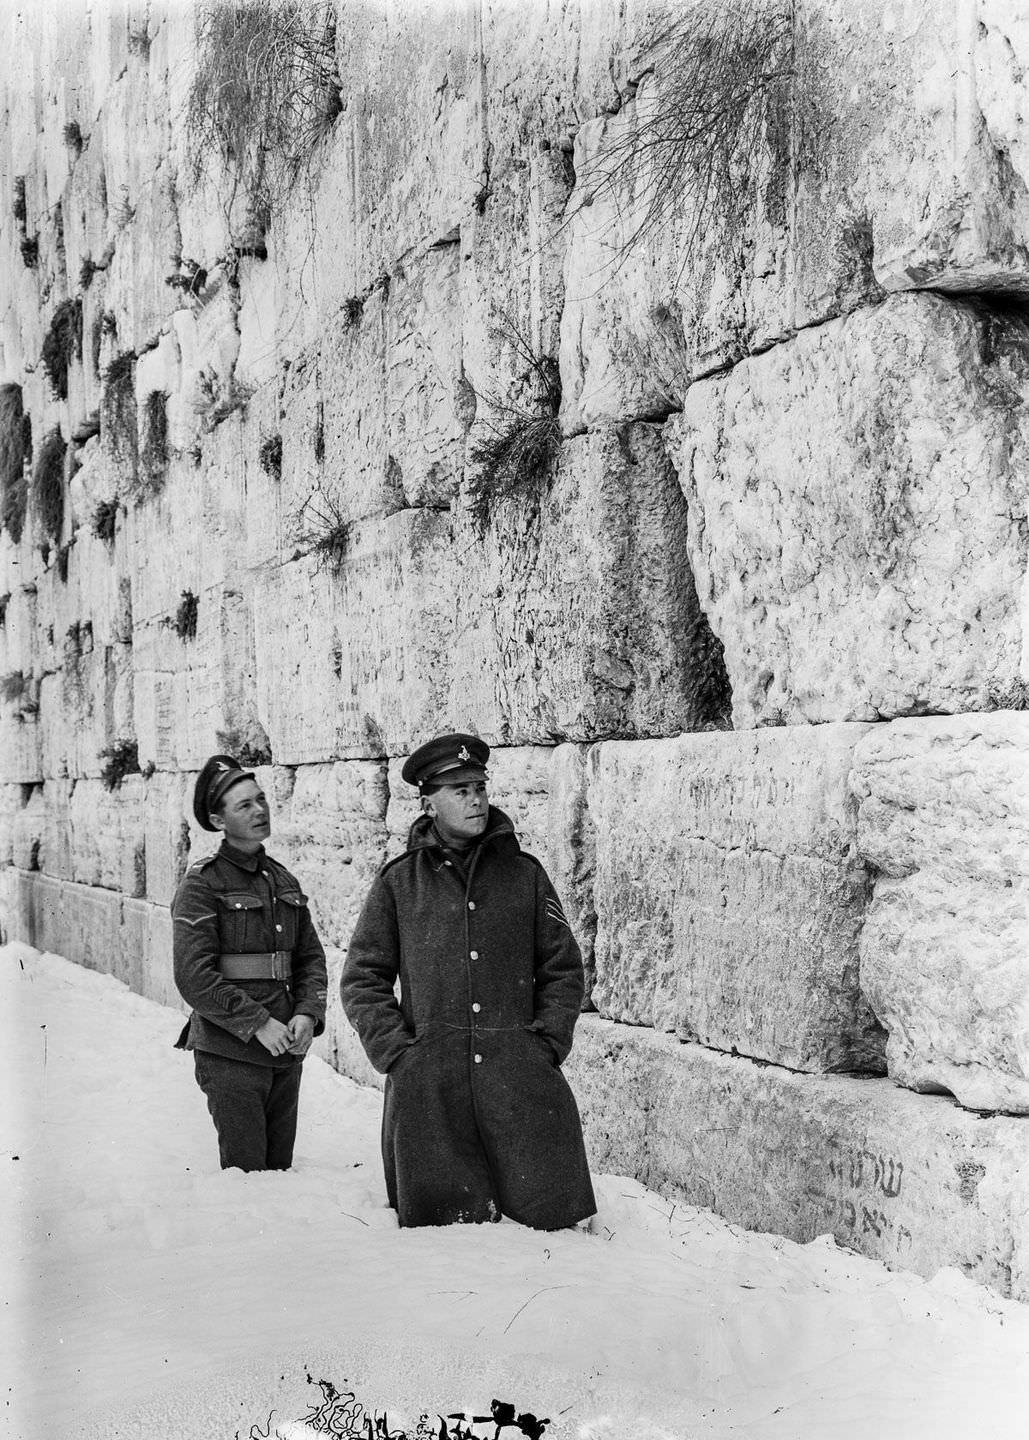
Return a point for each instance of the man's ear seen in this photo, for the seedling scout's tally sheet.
(216, 820)
(427, 805)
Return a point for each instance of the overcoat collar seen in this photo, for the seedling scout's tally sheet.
(424, 836)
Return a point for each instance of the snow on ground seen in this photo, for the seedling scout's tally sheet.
(147, 1293)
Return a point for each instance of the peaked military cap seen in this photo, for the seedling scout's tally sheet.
(447, 760)
(216, 778)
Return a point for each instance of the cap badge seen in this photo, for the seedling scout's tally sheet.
(463, 754)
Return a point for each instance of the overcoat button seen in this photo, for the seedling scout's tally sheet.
(476, 1009)
(471, 904)
(474, 954)
(278, 927)
(478, 1059)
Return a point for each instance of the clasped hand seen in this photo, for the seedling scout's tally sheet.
(294, 1038)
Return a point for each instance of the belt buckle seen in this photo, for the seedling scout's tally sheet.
(280, 966)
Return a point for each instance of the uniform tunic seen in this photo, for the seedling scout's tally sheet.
(231, 903)
(478, 1119)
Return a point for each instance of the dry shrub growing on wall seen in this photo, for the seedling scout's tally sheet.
(323, 531)
(48, 485)
(120, 759)
(153, 455)
(270, 456)
(517, 458)
(105, 521)
(63, 345)
(265, 92)
(720, 69)
(15, 449)
(118, 422)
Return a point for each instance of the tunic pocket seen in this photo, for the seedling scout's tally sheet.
(241, 922)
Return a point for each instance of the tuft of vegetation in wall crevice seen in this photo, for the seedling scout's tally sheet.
(184, 622)
(48, 486)
(15, 451)
(265, 93)
(250, 750)
(270, 456)
(119, 430)
(62, 345)
(153, 452)
(105, 521)
(119, 760)
(323, 530)
(516, 456)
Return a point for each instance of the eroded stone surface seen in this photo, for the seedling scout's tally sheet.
(857, 514)
(944, 818)
(598, 556)
(366, 645)
(730, 895)
(908, 1179)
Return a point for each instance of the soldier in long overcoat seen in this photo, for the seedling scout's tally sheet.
(248, 960)
(478, 1120)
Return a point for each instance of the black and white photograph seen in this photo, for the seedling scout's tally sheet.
(514, 719)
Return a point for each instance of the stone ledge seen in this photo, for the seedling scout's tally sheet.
(911, 1180)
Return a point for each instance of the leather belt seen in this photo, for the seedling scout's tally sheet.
(275, 966)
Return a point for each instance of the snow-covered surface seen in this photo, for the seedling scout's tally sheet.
(146, 1293)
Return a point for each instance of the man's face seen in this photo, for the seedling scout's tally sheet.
(458, 810)
(244, 816)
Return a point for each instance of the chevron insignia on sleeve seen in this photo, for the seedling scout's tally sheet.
(554, 912)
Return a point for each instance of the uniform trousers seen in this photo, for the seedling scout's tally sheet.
(254, 1109)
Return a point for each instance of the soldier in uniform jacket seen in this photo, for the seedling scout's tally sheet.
(248, 960)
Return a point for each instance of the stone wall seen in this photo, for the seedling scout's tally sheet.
(751, 647)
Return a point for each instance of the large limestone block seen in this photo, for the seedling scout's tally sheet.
(512, 277)
(650, 305)
(857, 513)
(167, 802)
(824, 210)
(331, 833)
(577, 616)
(412, 133)
(730, 895)
(385, 394)
(944, 819)
(20, 747)
(85, 708)
(107, 835)
(353, 662)
(911, 1180)
(28, 827)
(79, 922)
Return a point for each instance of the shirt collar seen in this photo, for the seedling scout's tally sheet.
(243, 861)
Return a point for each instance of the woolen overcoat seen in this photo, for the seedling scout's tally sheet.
(478, 1120)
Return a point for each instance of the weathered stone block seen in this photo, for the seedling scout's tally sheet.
(852, 484)
(107, 835)
(167, 802)
(822, 213)
(944, 818)
(20, 757)
(911, 1180)
(85, 708)
(331, 833)
(355, 662)
(600, 557)
(730, 896)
